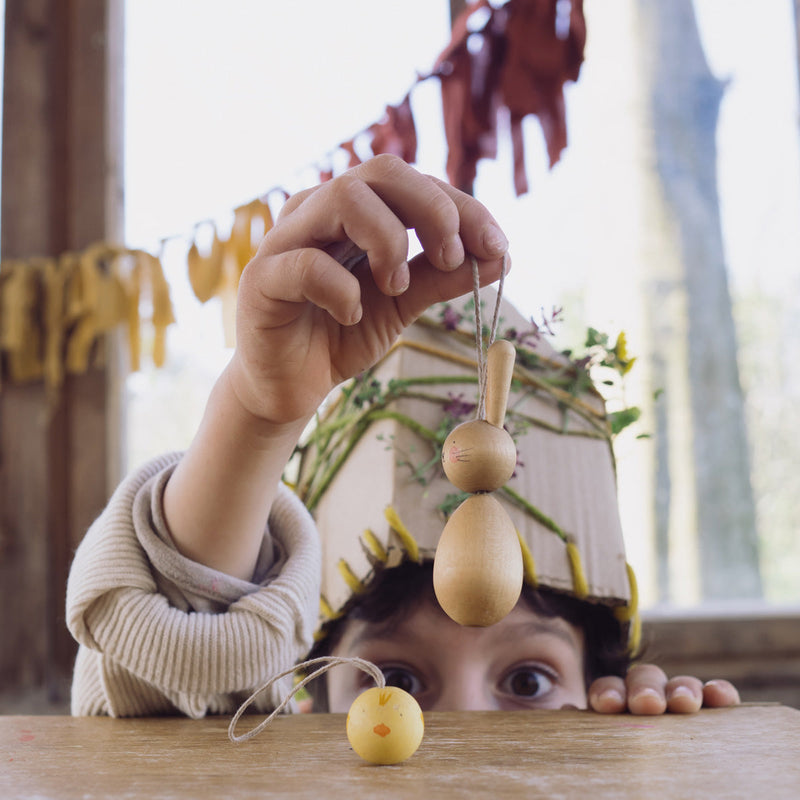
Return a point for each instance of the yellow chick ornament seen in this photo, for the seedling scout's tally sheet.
(385, 725)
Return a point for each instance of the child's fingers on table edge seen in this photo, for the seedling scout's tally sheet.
(719, 694)
(684, 694)
(646, 685)
(607, 695)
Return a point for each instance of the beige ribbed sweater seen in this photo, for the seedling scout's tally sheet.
(161, 634)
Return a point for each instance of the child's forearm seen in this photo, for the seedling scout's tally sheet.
(218, 499)
(306, 322)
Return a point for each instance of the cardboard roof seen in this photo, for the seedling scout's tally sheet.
(566, 468)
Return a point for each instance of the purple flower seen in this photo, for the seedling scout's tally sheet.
(451, 318)
(458, 408)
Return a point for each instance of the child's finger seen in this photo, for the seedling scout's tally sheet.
(449, 224)
(375, 203)
(646, 685)
(300, 276)
(684, 695)
(607, 695)
(422, 204)
(429, 286)
(480, 233)
(348, 210)
(720, 694)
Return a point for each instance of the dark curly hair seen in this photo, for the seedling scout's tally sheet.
(397, 592)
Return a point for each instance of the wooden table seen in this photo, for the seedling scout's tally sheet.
(746, 752)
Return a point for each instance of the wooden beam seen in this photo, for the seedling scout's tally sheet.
(61, 181)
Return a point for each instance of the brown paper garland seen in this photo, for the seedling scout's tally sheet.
(54, 311)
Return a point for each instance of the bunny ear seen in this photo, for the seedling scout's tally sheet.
(499, 371)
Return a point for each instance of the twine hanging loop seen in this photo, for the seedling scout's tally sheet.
(482, 348)
(322, 664)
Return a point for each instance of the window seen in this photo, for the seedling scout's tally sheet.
(223, 107)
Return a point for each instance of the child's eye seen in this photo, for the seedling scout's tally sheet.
(403, 679)
(527, 682)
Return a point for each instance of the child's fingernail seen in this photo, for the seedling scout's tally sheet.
(400, 279)
(683, 700)
(453, 252)
(646, 696)
(494, 241)
(681, 691)
(610, 697)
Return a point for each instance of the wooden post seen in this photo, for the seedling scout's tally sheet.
(62, 190)
(456, 7)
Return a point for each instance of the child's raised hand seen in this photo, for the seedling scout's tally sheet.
(646, 690)
(332, 286)
(327, 293)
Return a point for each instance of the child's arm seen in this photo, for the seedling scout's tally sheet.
(646, 690)
(329, 290)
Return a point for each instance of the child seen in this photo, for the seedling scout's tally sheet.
(201, 579)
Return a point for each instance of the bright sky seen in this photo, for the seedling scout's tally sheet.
(231, 99)
(234, 98)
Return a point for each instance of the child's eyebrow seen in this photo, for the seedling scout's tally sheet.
(540, 627)
(387, 632)
(374, 632)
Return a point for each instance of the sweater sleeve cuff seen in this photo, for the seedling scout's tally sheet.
(187, 584)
